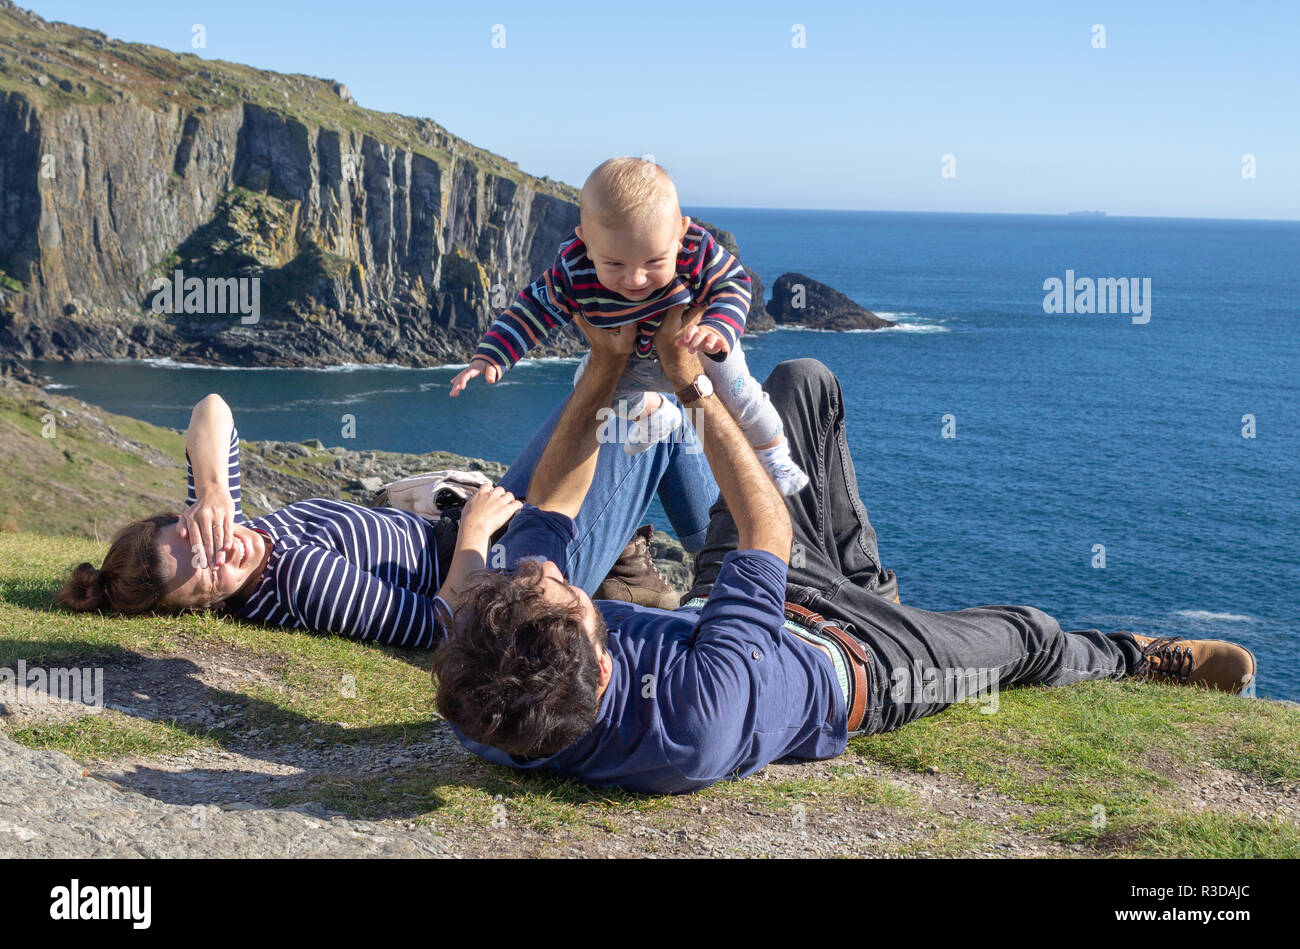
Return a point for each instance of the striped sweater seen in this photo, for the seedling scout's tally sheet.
(336, 567)
(707, 275)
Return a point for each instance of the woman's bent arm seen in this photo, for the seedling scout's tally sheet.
(207, 441)
(209, 523)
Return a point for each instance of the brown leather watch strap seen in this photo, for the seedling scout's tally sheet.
(857, 657)
(689, 394)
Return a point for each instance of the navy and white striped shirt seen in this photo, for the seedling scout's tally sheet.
(335, 567)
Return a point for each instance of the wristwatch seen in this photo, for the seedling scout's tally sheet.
(701, 388)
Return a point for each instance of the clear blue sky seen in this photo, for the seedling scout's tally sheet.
(1037, 118)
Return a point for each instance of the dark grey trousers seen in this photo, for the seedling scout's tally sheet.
(923, 660)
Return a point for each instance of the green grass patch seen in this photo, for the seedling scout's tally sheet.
(65, 475)
(110, 735)
(1110, 753)
(840, 784)
(481, 796)
(1203, 835)
(32, 568)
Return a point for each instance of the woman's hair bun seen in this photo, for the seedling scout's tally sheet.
(84, 590)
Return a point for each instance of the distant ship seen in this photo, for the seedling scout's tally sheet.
(1085, 214)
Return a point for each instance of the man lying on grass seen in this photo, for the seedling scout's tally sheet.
(537, 675)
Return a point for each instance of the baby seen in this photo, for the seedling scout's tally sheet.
(632, 259)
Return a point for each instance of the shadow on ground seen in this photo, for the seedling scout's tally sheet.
(223, 746)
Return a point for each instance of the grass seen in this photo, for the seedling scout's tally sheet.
(1056, 755)
(108, 735)
(1104, 762)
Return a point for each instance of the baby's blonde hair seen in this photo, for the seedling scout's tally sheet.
(627, 190)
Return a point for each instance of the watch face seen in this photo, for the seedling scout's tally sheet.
(705, 385)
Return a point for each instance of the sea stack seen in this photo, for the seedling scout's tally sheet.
(798, 300)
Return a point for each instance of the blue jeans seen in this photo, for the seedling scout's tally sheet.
(836, 570)
(621, 493)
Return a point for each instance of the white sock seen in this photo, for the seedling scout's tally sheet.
(789, 477)
(656, 427)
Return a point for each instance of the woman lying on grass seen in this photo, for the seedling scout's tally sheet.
(377, 574)
(319, 564)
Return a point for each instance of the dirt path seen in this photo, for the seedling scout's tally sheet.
(229, 800)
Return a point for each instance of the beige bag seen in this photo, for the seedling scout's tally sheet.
(430, 493)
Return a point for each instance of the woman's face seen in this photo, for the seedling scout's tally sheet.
(195, 587)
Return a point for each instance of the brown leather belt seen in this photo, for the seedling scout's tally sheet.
(853, 650)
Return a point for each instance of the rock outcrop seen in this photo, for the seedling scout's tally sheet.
(802, 301)
(372, 237)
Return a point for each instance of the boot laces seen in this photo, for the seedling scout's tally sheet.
(1161, 657)
(649, 555)
(654, 568)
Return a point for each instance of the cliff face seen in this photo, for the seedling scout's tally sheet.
(373, 237)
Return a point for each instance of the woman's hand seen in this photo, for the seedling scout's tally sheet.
(486, 511)
(483, 514)
(209, 526)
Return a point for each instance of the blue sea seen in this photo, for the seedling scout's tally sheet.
(1072, 430)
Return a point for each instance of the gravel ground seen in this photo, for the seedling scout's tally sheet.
(219, 802)
(211, 804)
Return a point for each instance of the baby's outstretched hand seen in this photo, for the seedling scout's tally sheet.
(707, 338)
(478, 366)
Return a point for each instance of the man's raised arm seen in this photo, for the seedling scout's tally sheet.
(564, 472)
(755, 504)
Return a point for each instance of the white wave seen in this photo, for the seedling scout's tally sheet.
(528, 362)
(354, 366)
(541, 360)
(911, 328)
(166, 362)
(1207, 616)
(900, 328)
(59, 385)
(889, 316)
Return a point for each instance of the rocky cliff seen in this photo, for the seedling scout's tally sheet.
(125, 169)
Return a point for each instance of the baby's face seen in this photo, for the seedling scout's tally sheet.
(636, 260)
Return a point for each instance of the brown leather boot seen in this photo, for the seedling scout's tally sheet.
(634, 578)
(1214, 663)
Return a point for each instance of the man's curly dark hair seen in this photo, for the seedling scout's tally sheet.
(519, 673)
